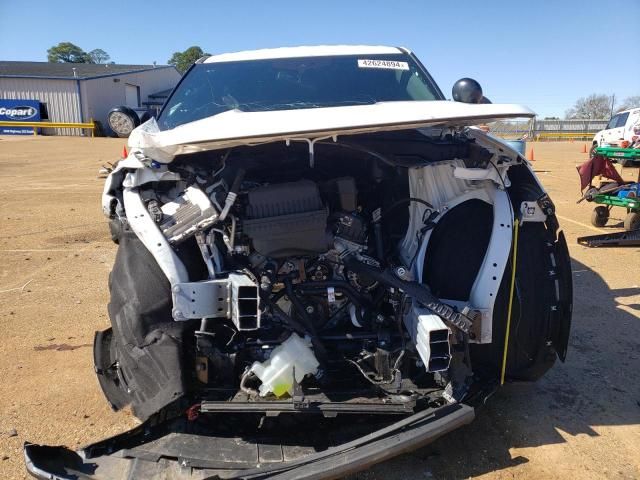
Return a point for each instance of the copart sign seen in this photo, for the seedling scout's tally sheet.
(19, 111)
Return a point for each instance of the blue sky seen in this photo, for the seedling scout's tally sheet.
(542, 54)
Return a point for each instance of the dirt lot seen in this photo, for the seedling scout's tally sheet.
(582, 420)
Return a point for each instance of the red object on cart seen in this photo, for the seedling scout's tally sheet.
(597, 165)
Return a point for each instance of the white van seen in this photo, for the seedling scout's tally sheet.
(620, 127)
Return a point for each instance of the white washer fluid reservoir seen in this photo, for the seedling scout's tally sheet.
(276, 374)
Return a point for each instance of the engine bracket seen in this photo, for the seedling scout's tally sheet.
(207, 299)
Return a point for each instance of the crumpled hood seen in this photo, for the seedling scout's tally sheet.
(234, 127)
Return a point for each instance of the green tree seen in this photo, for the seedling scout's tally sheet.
(66, 52)
(183, 60)
(98, 55)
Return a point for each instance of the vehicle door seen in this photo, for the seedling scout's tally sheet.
(633, 120)
(615, 128)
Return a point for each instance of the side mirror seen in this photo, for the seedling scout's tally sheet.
(467, 90)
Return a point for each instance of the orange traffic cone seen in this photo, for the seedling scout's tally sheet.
(531, 156)
(124, 152)
(584, 148)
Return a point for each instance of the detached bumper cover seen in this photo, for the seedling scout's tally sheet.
(170, 453)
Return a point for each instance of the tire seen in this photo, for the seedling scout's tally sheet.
(623, 162)
(122, 120)
(599, 216)
(632, 221)
(540, 324)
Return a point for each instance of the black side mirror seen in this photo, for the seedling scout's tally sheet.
(467, 90)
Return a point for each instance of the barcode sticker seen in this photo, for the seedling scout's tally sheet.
(386, 64)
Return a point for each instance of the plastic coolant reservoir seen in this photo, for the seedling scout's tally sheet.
(276, 373)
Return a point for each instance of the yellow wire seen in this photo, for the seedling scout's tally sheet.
(516, 224)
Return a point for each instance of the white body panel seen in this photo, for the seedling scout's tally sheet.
(234, 128)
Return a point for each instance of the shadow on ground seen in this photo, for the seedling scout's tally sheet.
(598, 385)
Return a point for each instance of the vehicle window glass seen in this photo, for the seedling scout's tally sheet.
(612, 122)
(622, 119)
(295, 83)
(415, 87)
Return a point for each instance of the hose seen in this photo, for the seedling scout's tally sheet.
(407, 200)
(232, 195)
(249, 391)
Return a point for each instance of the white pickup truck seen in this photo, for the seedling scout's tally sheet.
(619, 128)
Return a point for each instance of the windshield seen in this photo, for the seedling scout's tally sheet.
(293, 83)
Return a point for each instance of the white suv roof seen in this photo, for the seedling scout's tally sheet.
(312, 51)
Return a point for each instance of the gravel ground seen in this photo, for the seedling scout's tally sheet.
(582, 419)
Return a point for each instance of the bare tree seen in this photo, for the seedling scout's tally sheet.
(592, 107)
(629, 103)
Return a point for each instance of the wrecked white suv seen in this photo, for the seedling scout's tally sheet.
(317, 268)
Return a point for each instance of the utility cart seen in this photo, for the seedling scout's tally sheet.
(608, 200)
(625, 195)
(624, 156)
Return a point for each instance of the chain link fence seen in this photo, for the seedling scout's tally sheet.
(535, 129)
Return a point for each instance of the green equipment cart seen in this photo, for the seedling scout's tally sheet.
(608, 196)
(607, 201)
(624, 156)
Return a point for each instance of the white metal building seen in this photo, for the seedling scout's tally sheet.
(78, 92)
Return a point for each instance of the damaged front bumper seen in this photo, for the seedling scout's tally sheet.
(178, 449)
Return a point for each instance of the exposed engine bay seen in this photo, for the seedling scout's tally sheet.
(264, 279)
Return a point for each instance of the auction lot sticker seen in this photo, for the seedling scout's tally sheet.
(387, 64)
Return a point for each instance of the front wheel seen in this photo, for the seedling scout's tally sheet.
(599, 216)
(632, 221)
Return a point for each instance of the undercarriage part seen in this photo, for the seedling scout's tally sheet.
(414, 289)
(206, 299)
(189, 213)
(235, 297)
(323, 406)
(310, 329)
(349, 226)
(431, 337)
(245, 302)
